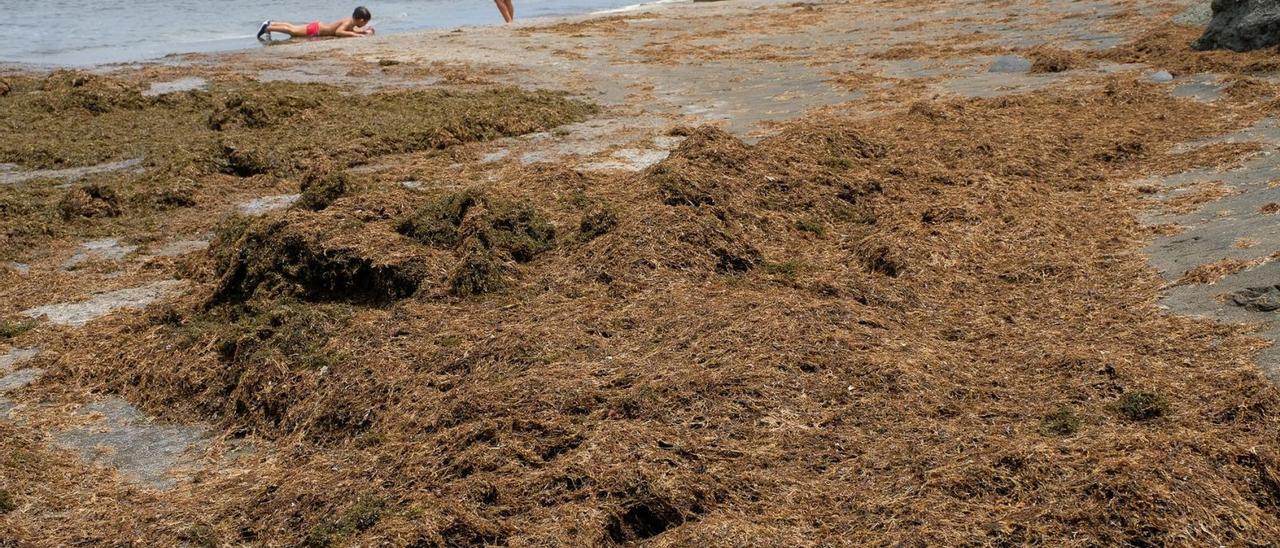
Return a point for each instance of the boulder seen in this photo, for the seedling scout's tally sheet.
(1242, 25)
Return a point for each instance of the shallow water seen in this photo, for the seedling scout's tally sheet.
(85, 32)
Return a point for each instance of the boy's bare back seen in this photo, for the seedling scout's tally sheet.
(346, 27)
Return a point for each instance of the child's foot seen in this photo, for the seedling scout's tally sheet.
(262, 31)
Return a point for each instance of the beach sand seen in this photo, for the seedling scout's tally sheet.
(731, 273)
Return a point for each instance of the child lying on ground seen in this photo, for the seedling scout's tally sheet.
(356, 25)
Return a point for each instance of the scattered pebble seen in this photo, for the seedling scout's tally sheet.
(1160, 77)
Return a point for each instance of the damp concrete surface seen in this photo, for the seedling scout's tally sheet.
(266, 204)
(13, 175)
(96, 306)
(107, 249)
(1239, 226)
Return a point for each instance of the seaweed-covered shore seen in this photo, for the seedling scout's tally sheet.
(456, 311)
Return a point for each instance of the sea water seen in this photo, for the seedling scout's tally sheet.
(87, 32)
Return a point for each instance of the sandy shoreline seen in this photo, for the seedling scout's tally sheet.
(732, 273)
(102, 55)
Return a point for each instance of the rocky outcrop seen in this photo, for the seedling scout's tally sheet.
(1242, 25)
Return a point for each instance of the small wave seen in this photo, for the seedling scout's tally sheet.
(634, 7)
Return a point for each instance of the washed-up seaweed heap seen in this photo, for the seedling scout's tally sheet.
(932, 327)
(185, 149)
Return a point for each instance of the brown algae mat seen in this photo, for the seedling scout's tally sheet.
(195, 147)
(929, 328)
(77, 119)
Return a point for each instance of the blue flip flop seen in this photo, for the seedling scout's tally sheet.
(262, 31)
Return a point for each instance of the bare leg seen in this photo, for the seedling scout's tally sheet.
(295, 31)
(511, 10)
(504, 10)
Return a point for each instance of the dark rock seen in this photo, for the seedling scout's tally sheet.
(1242, 25)
(1258, 299)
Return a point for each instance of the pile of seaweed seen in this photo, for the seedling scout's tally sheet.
(70, 119)
(1168, 47)
(929, 328)
(194, 147)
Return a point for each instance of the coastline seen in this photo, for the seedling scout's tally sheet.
(144, 53)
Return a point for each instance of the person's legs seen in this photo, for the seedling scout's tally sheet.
(295, 31)
(504, 10)
(511, 10)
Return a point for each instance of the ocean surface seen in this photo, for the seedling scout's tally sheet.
(87, 32)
